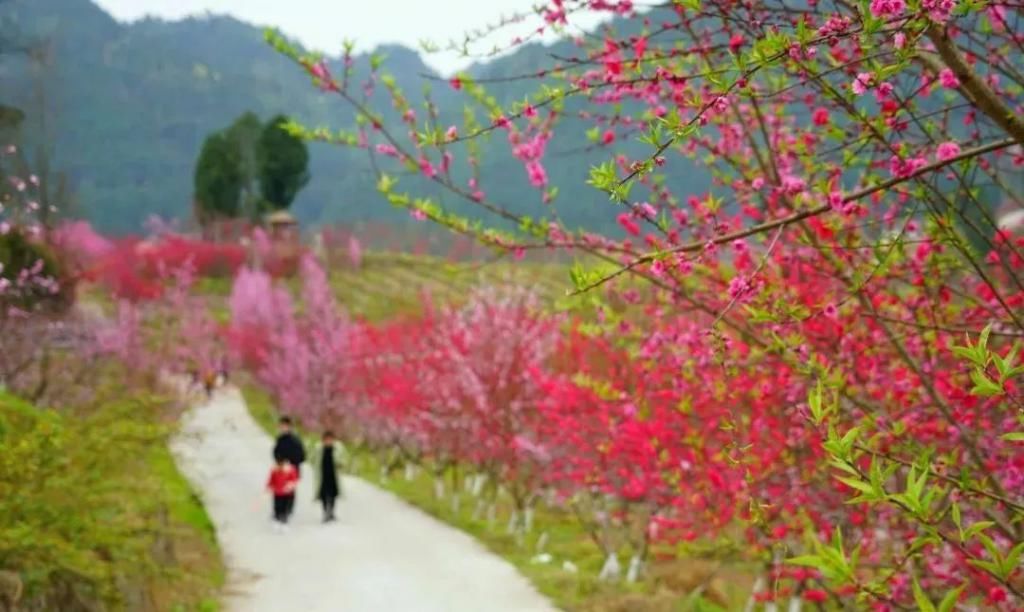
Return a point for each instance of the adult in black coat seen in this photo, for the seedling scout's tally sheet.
(288, 445)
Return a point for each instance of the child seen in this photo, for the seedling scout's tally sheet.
(282, 482)
(325, 474)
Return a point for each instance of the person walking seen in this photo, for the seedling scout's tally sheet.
(209, 383)
(325, 474)
(281, 483)
(289, 446)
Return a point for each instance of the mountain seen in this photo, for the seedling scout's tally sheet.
(129, 105)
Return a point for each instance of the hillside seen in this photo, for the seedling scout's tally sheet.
(130, 104)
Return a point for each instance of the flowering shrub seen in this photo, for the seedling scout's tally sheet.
(799, 362)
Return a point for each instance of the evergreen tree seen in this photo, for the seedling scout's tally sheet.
(245, 134)
(284, 162)
(218, 178)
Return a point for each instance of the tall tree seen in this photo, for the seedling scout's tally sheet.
(218, 179)
(284, 162)
(245, 133)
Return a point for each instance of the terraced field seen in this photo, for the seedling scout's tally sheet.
(389, 284)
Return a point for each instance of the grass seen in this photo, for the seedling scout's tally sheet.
(669, 589)
(193, 540)
(387, 285)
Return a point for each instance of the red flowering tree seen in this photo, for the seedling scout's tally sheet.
(814, 303)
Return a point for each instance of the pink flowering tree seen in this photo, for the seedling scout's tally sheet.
(843, 290)
(297, 352)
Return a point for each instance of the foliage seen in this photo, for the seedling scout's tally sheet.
(245, 135)
(30, 274)
(218, 179)
(83, 512)
(283, 164)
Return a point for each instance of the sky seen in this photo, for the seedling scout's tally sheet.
(323, 24)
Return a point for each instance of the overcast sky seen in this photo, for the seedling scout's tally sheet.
(323, 24)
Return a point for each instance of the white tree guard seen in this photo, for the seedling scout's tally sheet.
(542, 542)
(759, 585)
(636, 566)
(611, 570)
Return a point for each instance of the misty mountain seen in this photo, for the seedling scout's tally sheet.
(125, 108)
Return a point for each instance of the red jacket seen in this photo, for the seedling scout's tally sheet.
(283, 479)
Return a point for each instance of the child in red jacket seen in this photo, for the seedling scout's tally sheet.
(282, 482)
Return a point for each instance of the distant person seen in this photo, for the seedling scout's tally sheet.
(281, 483)
(325, 474)
(222, 376)
(209, 383)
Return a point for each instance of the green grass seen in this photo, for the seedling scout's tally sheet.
(184, 505)
(567, 541)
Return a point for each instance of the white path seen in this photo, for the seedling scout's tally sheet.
(382, 554)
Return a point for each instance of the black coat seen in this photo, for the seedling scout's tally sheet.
(289, 446)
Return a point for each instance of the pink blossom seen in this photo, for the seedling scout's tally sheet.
(792, 185)
(628, 224)
(939, 10)
(948, 79)
(536, 173)
(386, 149)
(899, 40)
(903, 168)
(883, 91)
(835, 200)
(740, 287)
(887, 8)
(647, 210)
(947, 150)
(452, 133)
(862, 83)
(418, 214)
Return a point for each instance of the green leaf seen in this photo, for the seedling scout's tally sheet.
(983, 340)
(923, 603)
(947, 603)
(860, 485)
(1013, 558)
(814, 403)
(807, 561)
(976, 528)
(983, 386)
